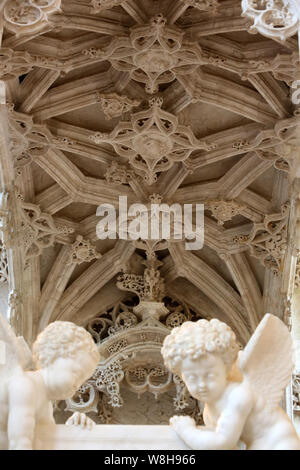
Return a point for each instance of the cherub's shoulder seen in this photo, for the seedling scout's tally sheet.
(21, 381)
(240, 393)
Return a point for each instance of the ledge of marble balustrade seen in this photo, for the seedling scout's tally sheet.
(107, 437)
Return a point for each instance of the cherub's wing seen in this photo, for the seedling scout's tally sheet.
(25, 354)
(267, 361)
(10, 352)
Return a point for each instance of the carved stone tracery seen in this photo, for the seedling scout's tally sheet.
(82, 251)
(3, 264)
(267, 240)
(224, 211)
(28, 16)
(118, 174)
(115, 105)
(273, 18)
(296, 392)
(153, 54)
(135, 362)
(149, 287)
(30, 228)
(152, 141)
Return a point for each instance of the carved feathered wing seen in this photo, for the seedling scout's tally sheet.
(10, 360)
(267, 361)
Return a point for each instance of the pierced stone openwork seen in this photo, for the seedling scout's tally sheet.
(129, 347)
(119, 174)
(153, 54)
(28, 16)
(37, 230)
(273, 18)
(296, 393)
(224, 211)
(268, 240)
(3, 264)
(82, 251)
(149, 287)
(31, 229)
(114, 105)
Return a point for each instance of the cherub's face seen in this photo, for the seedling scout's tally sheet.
(65, 375)
(205, 377)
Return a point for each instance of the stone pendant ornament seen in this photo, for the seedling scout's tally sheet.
(275, 19)
(28, 16)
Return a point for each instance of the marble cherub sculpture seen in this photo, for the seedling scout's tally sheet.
(64, 356)
(241, 396)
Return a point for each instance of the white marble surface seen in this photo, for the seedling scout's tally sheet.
(107, 437)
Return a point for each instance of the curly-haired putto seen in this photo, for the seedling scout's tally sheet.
(194, 339)
(62, 339)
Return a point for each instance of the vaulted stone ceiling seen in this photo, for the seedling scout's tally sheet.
(134, 98)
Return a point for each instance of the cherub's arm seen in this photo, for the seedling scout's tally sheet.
(229, 427)
(47, 416)
(21, 418)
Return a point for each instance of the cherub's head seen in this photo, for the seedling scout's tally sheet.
(67, 356)
(202, 354)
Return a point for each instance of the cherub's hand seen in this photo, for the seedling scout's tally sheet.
(80, 419)
(179, 423)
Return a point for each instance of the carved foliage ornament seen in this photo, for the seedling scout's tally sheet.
(118, 174)
(114, 105)
(153, 141)
(273, 18)
(82, 251)
(150, 287)
(224, 211)
(28, 16)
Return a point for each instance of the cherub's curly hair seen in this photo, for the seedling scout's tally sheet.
(194, 339)
(62, 339)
